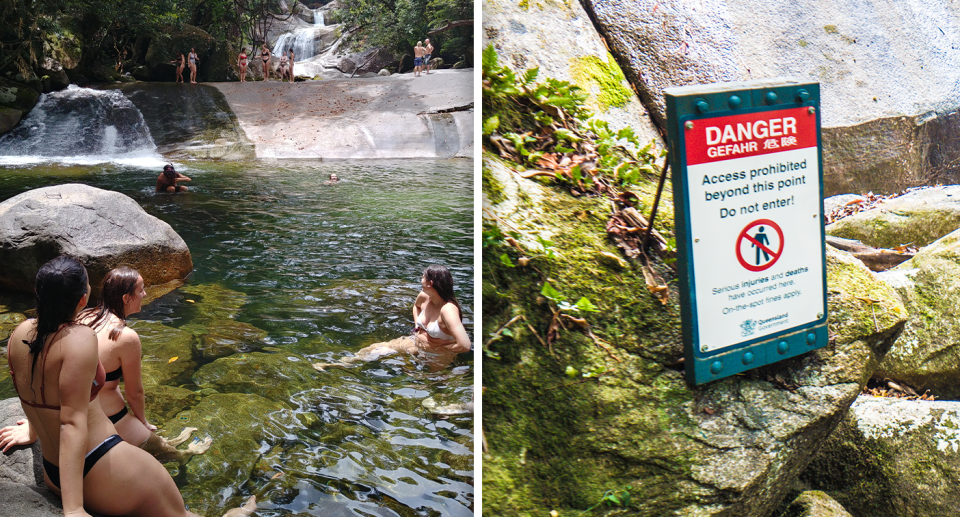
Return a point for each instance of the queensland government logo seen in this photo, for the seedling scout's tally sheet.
(748, 327)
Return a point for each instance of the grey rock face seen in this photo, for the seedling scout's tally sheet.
(561, 40)
(103, 229)
(814, 503)
(54, 70)
(877, 136)
(892, 457)
(9, 117)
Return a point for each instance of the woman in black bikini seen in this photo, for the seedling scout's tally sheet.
(193, 59)
(179, 62)
(53, 361)
(119, 349)
(265, 56)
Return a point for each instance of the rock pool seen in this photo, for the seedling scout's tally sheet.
(289, 271)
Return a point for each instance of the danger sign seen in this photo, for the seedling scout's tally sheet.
(753, 191)
(753, 237)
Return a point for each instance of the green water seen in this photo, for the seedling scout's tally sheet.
(289, 271)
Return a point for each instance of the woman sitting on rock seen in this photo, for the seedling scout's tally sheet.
(120, 353)
(438, 333)
(56, 372)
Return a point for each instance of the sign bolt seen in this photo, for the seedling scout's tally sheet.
(819, 315)
(703, 348)
(803, 95)
(811, 110)
(689, 124)
(734, 102)
(702, 106)
(771, 98)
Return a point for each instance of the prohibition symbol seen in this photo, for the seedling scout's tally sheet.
(756, 245)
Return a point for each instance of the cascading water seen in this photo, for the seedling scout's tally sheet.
(81, 125)
(318, 17)
(302, 41)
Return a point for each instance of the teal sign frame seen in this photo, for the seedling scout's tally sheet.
(713, 132)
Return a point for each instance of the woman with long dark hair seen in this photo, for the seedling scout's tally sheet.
(438, 334)
(120, 353)
(57, 375)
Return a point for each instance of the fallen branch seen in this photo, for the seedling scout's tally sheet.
(451, 25)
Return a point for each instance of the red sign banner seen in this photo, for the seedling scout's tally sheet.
(751, 134)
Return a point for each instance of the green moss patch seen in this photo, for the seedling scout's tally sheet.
(592, 73)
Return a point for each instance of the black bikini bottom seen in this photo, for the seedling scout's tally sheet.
(53, 471)
(120, 414)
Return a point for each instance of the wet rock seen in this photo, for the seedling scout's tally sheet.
(29, 501)
(814, 503)
(167, 354)
(8, 322)
(916, 218)
(347, 65)
(240, 425)
(54, 70)
(258, 373)
(730, 447)
(102, 229)
(213, 301)
(925, 356)
(220, 338)
(892, 457)
(17, 95)
(23, 464)
(9, 118)
(164, 402)
(141, 73)
(384, 72)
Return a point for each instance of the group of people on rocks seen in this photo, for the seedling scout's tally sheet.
(66, 365)
(191, 60)
(285, 69)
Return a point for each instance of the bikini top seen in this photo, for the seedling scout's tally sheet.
(433, 328)
(115, 375)
(98, 381)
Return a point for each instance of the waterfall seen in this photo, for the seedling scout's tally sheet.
(317, 18)
(302, 41)
(81, 125)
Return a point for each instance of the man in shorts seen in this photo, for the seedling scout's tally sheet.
(426, 57)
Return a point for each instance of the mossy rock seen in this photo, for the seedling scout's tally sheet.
(8, 322)
(917, 218)
(175, 41)
(892, 457)
(164, 402)
(18, 95)
(214, 301)
(220, 338)
(240, 425)
(167, 353)
(64, 45)
(926, 356)
(814, 503)
(731, 447)
(274, 376)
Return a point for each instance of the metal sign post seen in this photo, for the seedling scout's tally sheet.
(748, 190)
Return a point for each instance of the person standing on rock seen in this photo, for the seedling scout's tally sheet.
(119, 348)
(167, 181)
(291, 64)
(180, 63)
(193, 59)
(427, 50)
(283, 66)
(242, 63)
(265, 56)
(418, 52)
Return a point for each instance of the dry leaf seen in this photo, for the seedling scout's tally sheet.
(190, 301)
(172, 359)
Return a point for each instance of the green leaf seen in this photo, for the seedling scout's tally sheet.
(551, 293)
(584, 304)
(531, 75)
(566, 134)
(571, 372)
(575, 172)
(505, 260)
(489, 58)
(491, 125)
(562, 149)
(544, 242)
(507, 332)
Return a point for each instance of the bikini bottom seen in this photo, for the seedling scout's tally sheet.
(119, 415)
(53, 471)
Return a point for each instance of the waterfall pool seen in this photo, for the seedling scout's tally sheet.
(289, 271)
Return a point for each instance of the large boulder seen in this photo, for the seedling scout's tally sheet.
(925, 357)
(572, 50)
(9, 118)
(876, 137)
(56, 76)
(730, 447)
(814, 503)
(173, 42)
(892, 457)
(17, 95)
(102, 229)
(22, 491)
(917, 218)
(221, 64)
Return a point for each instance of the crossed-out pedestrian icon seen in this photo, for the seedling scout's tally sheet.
(764, 238)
